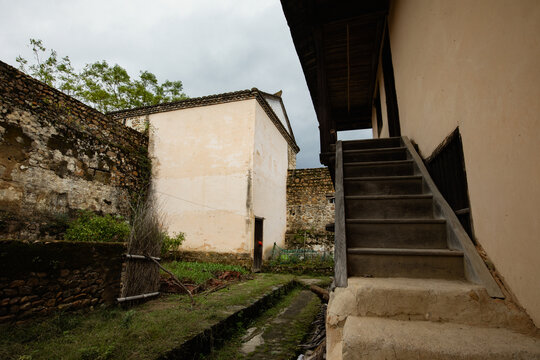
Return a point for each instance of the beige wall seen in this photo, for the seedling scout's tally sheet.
(475, 64)
(217, 167)
(270, 163)
(202, 160)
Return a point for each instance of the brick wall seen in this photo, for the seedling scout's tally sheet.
(309, 208)
(41, 277)
(57, 156)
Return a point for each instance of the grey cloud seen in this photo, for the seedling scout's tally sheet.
(212, 46)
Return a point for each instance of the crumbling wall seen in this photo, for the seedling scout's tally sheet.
(310, 207)
(57, 156)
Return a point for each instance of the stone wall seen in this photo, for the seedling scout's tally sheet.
(291, 157)
(310, 207)
(41, 277)
(57, 156)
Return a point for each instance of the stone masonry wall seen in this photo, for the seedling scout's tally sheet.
(310, 207)
(39, 278)
(291, 156)
(57, 156)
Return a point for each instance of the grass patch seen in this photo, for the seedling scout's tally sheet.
(315, 266)
(142, 332)
(198, 273)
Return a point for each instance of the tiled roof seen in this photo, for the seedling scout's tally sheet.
(212, 100)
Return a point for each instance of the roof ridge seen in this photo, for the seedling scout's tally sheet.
(200, 99)
(215, 99)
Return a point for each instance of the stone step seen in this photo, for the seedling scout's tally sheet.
(397, 233)
(389, 206)
(377, 338)
(414, 263)
(423, 299)
(384, 154)
(378, 168)
(383, 185)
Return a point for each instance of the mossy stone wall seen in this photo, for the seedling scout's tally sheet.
(57, 156)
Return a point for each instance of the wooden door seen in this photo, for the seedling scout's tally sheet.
(258, 245)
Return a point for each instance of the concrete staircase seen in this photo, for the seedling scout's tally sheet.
(409, 290)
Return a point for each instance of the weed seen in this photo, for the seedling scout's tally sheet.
(171, 243)
(200, 272)
(127, 319)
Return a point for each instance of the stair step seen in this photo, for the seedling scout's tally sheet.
(397, 233)
(377, 338)
(370, 155)
(383, 185)
(371, 143)
(405, 252)
(378, 168)
(399, 262)
(426, 300)
(389, 206)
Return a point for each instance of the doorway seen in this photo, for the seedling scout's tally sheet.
(258, 244)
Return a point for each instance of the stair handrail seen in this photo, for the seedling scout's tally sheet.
(476, 270)
(340, 235)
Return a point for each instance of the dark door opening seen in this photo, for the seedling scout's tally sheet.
(258, 245)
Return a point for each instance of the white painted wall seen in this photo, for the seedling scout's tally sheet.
(270, 165)
(202, 159)
(275, 104)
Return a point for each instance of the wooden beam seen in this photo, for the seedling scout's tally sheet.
(332, 11)
(394, 128)
(340, 237)
(354, 126)
(326, 128)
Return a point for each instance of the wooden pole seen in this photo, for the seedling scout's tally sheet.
(174, 278)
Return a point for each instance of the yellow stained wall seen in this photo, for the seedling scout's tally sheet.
(476, 65)
(202, 168)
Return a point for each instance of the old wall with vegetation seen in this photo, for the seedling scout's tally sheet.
(41, 277)
(58, 156)
(310, 208)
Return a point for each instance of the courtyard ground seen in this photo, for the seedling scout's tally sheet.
(145, 331)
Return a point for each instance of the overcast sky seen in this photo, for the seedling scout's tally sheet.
(212, 46)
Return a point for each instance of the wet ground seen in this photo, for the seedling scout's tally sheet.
(276, 334)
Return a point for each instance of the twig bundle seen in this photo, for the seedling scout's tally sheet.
(142, 276)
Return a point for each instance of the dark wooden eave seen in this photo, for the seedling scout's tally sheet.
(338, 44)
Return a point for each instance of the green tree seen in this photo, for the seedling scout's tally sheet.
(100, 85)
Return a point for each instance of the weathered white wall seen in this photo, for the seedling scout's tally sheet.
(475, 64)
(202, 160)
(270, 163)
(275, 104)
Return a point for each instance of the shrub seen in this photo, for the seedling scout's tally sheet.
(170, 243)
(91, 227)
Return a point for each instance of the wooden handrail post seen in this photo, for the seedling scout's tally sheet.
(340, 247)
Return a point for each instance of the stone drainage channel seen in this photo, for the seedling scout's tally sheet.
(272, 327)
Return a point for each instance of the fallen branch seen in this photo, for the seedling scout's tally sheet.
(174, 278)
(211, 290)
